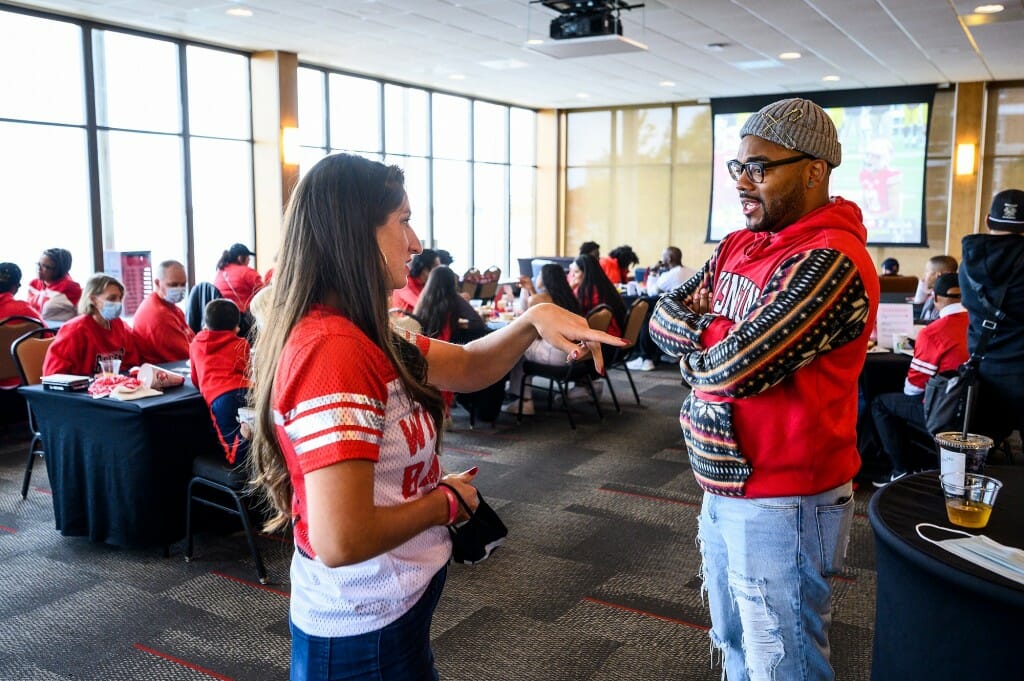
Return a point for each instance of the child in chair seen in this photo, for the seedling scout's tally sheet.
(220, 361)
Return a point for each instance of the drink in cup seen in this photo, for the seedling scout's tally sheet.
(110, 367)
(969, 498)
(959, 453)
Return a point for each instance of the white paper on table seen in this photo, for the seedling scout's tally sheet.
(894, 318)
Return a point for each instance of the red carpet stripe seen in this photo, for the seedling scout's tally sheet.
(663, 618)
(183, 663)
(255, 585)
(651, 497)
(4, 528)
(850, 580)
(43, 491)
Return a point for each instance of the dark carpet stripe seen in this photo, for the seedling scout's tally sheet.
(470, 452)
(611, 489)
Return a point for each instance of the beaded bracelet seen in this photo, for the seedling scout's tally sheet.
(453, 504)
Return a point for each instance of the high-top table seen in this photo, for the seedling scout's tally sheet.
(119, 470)
(937, 616)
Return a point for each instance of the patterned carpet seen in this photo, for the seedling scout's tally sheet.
(598, 579)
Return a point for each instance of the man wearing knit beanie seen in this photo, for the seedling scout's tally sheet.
(772, 336)
(991, 262)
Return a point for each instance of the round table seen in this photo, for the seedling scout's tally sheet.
(937, 616)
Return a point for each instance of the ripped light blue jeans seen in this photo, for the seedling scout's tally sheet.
(766, 564)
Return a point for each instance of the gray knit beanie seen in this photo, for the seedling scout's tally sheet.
(797, 124)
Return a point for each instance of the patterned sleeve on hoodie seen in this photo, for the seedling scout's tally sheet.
(814, 303)
(674, 327)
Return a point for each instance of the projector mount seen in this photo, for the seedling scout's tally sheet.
(586, 18)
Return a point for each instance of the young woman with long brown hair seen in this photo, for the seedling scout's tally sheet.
(348, 424)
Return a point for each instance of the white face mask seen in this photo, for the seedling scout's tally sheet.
(175, 294)
(1005, 561)
(110, 310)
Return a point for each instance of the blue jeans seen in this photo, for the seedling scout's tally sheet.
(398, 652)
(766, 564)
(225, 417)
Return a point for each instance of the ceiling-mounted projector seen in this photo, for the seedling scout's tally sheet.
(584, 28)
(586, 18)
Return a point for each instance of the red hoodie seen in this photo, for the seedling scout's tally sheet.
(774, 365)
(220, 361)
(82, 343)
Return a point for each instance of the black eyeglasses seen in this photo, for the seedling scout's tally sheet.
(755, 169)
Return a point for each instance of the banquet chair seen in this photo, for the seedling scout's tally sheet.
(198, 297)
(11, 403)
(28, 352)
(488, 287)
(560, 375)
(231, 495)
(470, 282)
(635, 320)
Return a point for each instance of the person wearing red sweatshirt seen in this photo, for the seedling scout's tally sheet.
(54, 294)
(10, 282)
(161, 332)
(97, 333)
(220, 361)
(235, 279)
(772, 336)
(941, 346)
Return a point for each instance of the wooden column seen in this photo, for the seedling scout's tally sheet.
(964, 215)
(546, 216)
(275, 105)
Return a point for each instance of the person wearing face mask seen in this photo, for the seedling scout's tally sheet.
(97, 333)
(161, 332)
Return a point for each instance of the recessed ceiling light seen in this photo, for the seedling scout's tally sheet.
(582, 95)
(239, 12)
(534, 41)
(831, 78)
(988, 9)
(456, 76)
(789, 55)
(667, 83)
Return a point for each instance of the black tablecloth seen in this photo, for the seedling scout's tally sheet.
(937, 616)
(119, 470)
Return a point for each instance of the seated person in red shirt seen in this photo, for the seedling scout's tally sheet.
(220, 361)
(54, 294)
(161, 332)
(406, 298)
(10, 282)
(97, 333)
(617, 263)
(940, 346)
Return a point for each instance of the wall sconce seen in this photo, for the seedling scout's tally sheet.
(290, 146)
(965, 159)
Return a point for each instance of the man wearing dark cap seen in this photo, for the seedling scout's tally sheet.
(771, 335)
(890, 267)
(940, 346)
(990, 261)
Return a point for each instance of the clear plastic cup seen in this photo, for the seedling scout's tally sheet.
(969, 498)
(110, 367)
(959, 453)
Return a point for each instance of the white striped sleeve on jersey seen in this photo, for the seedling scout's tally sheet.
(328, 419)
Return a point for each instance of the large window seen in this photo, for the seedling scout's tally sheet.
(171, 147)
(470, 166)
